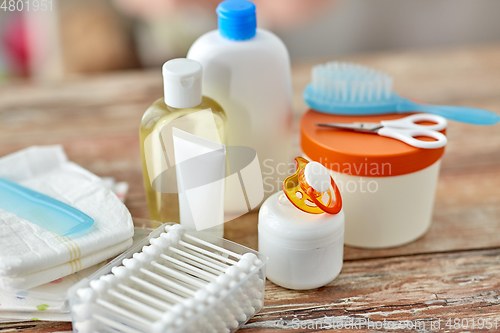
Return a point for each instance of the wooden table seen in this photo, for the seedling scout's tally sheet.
(451, 272)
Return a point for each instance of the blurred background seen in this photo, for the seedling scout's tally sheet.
(55, 39)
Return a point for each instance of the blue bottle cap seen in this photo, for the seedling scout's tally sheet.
(237, 19)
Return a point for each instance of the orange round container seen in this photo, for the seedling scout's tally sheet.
(387, 186)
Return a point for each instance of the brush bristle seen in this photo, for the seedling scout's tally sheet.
(345, 82)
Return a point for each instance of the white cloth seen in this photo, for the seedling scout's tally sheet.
(25, 247)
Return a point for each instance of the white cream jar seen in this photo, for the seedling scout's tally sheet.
(387, 186)
(305, 250)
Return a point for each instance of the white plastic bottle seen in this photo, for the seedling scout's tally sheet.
(247, 70)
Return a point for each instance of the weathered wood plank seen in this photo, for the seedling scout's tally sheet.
(421, 287)
(36, 326)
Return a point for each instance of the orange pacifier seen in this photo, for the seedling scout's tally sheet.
(310, 188)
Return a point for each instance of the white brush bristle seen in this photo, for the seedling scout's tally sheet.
(345, 82)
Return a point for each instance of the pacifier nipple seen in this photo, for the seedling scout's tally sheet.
(312, 189)
(317, 177)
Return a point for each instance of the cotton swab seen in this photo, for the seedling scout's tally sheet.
(124, 274)
(111, 323)
(126, 305)
(208, 253)
(146, 298)
(178, 282)
(198, 259)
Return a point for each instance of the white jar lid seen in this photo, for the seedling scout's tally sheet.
(286, 226)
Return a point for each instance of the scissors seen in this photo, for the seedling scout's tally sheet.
(404, 129)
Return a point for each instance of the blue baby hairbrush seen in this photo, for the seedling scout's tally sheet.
(349, 89)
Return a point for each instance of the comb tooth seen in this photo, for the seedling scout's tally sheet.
(329, 95)
(376, 82)
(378, 87)
(343, 90)
(369, 86)
(330, 82)
(324, 85)
(370, 91)
(325, 88)
(349, 75)
(322, 78)
(388, 87)
(319, 85)
(354, 91)
(360, 70)
(362, 89)
(318, 78)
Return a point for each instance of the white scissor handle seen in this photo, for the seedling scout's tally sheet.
(407, 135)
(410, 122)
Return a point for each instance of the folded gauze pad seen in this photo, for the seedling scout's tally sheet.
(26, 248)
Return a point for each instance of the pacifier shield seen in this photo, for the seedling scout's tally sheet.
(309, 186)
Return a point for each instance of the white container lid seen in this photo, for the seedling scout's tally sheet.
(182, 83)
(286, 226)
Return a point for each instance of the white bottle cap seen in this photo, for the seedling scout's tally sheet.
(182, 83)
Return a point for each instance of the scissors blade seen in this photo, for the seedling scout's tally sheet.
(357, 127)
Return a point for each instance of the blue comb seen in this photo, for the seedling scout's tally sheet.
(349, 89)
(41, 209)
